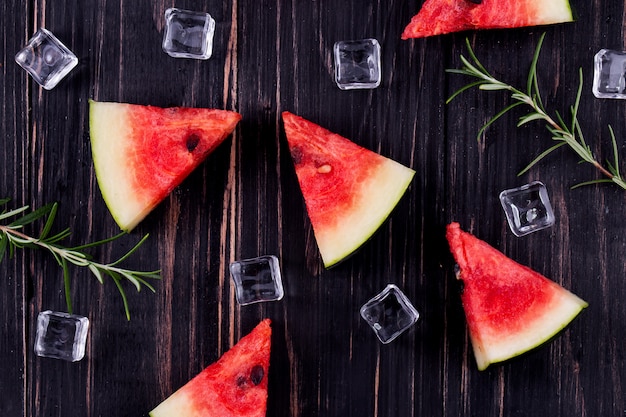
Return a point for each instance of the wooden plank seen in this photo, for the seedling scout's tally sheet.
(15, 273)
(244, 201)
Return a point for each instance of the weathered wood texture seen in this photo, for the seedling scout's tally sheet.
(244, 201)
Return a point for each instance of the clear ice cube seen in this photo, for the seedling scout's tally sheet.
(61, 335)
(188, 34)
(46, 59)
(389, 313)
(527, 208)
(609, 75)
(357, 64)
(257, 279)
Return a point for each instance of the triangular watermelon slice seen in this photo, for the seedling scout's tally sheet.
(510, 308)
(348, 190)
(234, 386)
(141, 153)
(437, 17)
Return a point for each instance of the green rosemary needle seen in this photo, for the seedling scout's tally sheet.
(12, 238)
(562, 133)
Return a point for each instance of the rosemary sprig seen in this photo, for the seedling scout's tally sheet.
(12, 238)
(562, 133)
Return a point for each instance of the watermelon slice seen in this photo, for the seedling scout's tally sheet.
(510, 308)
(234, 386)
(437, 17)
(348, 190)
(141, 153)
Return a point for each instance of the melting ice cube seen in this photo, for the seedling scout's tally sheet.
(257, 279)
(61, 335)
(46, 59)
(188, 34)
(527, 208)
(609, 74)
(389, 313)
(357, 64)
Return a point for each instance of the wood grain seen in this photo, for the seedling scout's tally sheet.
(244, 201)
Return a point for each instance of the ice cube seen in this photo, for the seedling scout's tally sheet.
(389, 313)
(188, 34)
(357, 64)
(257, 279)
(46, 59)
(61, 335)
(527, 208)
(609, 74)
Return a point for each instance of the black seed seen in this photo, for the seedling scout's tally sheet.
(256, 374)
(192, 141)
(475, 1)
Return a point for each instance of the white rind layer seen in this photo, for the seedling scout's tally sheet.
(109, 127)
(177, 405)
(555, 11)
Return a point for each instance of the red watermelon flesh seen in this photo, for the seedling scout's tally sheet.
(348, 190)
(141, 153)
(437, 17)
(234, 386)
(510, 308)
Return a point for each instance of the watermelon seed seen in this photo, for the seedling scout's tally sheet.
(475, 1)
(324, 169)
(256, 374)
(192, 142)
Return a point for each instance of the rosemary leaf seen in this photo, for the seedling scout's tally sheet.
(66, 285)
(492, 87)
(591, 182)
(12, 213)
(31, 217)
(4, 242)
(96, 272)
(529, 118)
(97, 243)
(532, 85)
(615, 153)
(496, 117)
(460, 90)
(540, 157)
(49, 222)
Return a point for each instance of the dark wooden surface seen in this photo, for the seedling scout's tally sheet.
(244, 201)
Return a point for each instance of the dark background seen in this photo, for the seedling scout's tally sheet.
(244, 201)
